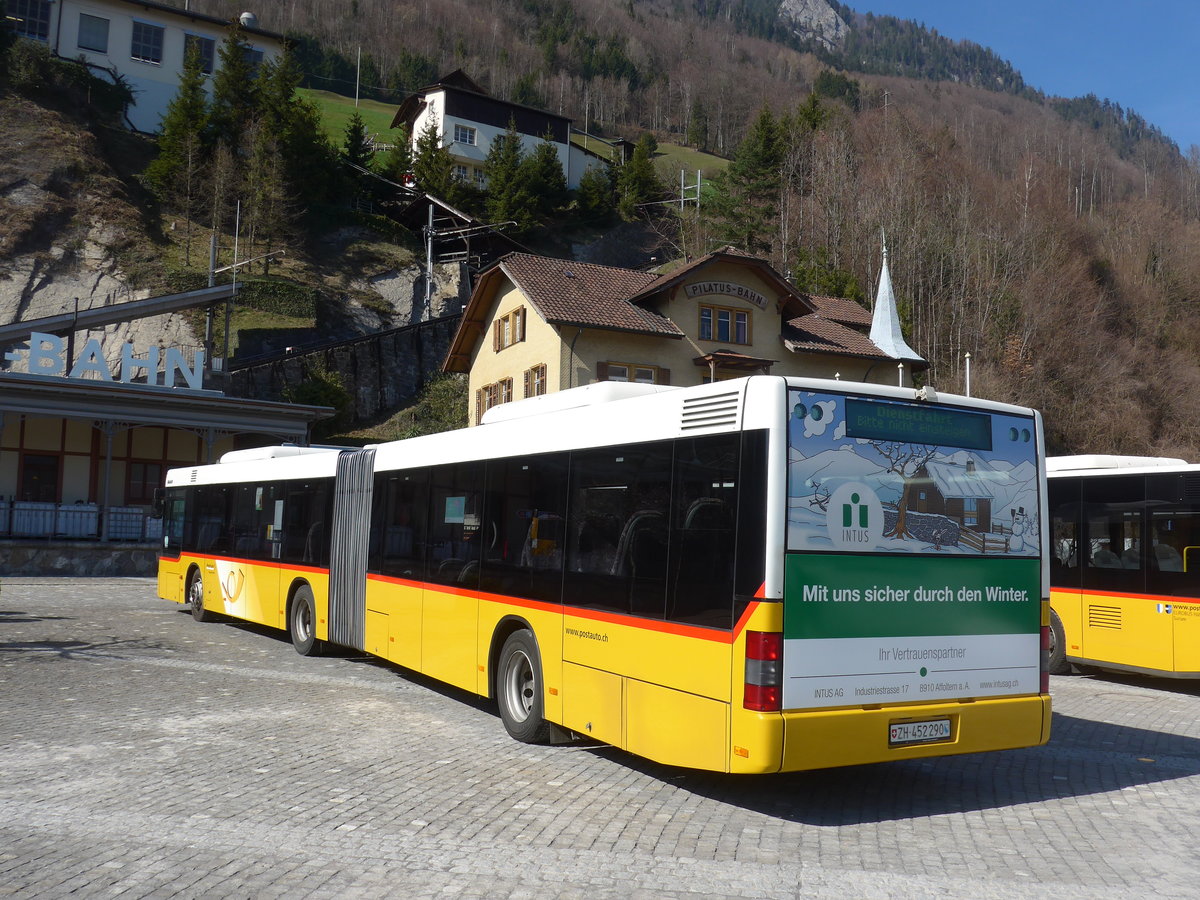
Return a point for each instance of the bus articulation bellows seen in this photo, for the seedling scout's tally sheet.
(760, 575)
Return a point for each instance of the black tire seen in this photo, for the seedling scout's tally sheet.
(519, 689)
(195, 598)
(302, 623)
(1057, 664)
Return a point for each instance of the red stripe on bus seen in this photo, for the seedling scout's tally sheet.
(659, 625)
(265, 563)
(1157, 598)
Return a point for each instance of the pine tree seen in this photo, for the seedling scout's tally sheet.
(234, 90)
(176, 173)
(397, 163)
(433, 166)
(745, 209)
(544, 177)
(595, 194)
(357, 151)
(637, 181)
(697, 129)
(509, 198)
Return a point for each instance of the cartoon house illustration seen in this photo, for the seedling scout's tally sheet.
(956, 492)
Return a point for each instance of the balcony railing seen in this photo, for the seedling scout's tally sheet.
(31, 520)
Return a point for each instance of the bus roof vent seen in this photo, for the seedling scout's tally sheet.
(192, 477)
(711, 411)
(1191, 488)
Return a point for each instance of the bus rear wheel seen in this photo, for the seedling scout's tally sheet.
(302, 623)
(519, 689)
(195, 597)
(1057, 664)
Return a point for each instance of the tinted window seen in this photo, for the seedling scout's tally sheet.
(398, 532)
(454, 527)
(1112, 543)
(1065, 517)
(306, 516)
(617, 540)
(523, 528)
(704, 507)
(1173, 556)
(208, 530)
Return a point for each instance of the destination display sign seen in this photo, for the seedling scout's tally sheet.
(917, 425)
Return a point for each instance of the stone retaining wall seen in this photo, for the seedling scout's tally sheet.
(77, 558)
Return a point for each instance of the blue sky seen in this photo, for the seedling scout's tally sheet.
(1144, 55)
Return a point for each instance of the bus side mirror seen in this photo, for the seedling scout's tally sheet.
(158, 504)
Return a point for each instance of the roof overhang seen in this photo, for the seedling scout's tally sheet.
(97, 401)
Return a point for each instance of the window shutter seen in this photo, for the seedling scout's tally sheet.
(602, 371)
(496, 336)
(520, 336)
(664, 376)
(528, 382)
(478, 405)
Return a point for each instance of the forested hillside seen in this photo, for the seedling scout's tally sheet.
(1059, 251)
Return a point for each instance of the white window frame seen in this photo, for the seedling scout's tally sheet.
(80, 35)
(27, 13)
(465, 134)
(208, 62)
(135, 44)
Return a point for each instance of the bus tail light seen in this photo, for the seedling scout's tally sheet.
(764, 672)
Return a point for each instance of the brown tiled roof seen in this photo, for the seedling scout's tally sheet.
(572, 293)
(821, 335)
(798, 301)
(839, 309)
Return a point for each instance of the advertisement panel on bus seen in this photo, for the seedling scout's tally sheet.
(878, 490)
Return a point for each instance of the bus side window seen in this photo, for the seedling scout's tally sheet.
(400, 524)
(702, 531)
(523, 520)
(1174, 536)
(455, 538)
(1065, 513)
(617, 540)
(1113, 515)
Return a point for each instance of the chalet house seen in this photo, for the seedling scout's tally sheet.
(956, 492)
(536, 325)
(142, 41)
(469, 119)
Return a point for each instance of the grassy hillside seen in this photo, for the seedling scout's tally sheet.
(336, 111)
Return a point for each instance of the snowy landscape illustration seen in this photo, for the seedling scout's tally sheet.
(869, 495)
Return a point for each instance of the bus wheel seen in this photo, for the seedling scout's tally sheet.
(302, 622)
(519, 689)
(1058, 664)
(195, 598)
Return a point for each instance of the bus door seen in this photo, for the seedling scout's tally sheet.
(1122, 624)
(1173, 503)
(1066, 563)
(248, 571)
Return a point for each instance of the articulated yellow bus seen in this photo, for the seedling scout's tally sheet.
(1125, 564)
(760, 575)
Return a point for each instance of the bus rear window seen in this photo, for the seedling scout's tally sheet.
(889, 476)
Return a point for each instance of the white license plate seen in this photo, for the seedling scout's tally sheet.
(918, 732)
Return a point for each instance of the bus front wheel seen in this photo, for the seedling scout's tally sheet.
(195, 597)
(302, 623)
(519, 689)
(1057, 664)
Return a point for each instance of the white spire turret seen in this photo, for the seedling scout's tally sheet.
(885, 322)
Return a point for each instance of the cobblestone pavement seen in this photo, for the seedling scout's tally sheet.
(145, 755)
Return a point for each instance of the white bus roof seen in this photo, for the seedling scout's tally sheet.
(1096, 461)
(594, 415)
